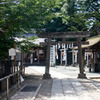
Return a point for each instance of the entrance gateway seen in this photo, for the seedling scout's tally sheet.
(64, 35)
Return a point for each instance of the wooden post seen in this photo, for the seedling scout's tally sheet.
(38, 55)
(7, 88)
(47, 75)
(87, 59)
(73, 56)
(21, 67)
(18, 80)
(81, 69)
(14, 59)
(61, 57)
(93, 60)
(96, 56)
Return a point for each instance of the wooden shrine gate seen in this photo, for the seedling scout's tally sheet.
(64, 35)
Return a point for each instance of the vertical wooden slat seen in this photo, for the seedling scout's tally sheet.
(18, 80)
(38, 55)
(7, 88)
(14, 58)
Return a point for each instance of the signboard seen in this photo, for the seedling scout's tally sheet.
(12, 52)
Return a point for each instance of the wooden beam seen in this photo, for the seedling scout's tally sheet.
(64, 34)
(54, 43)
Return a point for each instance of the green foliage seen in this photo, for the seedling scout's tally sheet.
(68, 17)
(25, 15)
(5, 45)
(93, 12)
(22, 16)
(75, 15)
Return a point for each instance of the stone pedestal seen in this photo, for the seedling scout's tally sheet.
(82, 76)
(47, 76)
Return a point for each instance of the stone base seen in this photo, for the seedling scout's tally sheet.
(46, 76)
(82, 76)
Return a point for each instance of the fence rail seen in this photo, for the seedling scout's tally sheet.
(7, 81)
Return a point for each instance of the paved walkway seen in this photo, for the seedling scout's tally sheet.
(63, 86)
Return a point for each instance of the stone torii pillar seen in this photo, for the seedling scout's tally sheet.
(80, 58)
(47, 67)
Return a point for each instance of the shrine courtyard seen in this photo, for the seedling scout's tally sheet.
(64, 85)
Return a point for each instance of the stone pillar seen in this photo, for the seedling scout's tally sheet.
(83, 57)
(81, 69)
(47, 75)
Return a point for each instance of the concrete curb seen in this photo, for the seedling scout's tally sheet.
(37, 91)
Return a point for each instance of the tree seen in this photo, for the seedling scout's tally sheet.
(22, 16)
(68, 17)
(92, 8)
(73, 16)
(5, 44)
(25, 15)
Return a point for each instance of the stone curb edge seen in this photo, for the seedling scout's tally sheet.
(37, 91)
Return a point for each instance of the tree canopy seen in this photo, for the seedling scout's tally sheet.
(25, 16)
(76, 15)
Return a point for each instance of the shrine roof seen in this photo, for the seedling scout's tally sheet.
(93, 42)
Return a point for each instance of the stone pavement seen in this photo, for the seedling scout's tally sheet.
(63, 86)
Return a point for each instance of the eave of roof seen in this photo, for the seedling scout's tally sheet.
(92, 41)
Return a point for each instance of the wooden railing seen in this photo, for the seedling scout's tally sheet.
(7, 82)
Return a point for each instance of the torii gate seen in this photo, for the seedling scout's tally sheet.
(64, 35)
